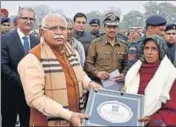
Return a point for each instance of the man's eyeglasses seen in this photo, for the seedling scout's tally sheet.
(55, 28)
(27, 18)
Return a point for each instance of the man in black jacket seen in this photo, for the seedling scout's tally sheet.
(170, 36)
(79, 32)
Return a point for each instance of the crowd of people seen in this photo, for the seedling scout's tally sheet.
(46, 74)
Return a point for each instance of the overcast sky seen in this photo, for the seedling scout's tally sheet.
(70, 8)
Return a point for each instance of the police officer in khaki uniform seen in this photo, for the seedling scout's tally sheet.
(107, 53)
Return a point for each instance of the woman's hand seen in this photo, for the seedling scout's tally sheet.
(145, 119)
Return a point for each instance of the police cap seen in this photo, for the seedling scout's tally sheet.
(111, 19)
(170, 27)
(94, 21)
(5, 19)
(156, 20)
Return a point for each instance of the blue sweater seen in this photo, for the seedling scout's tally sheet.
(133, 51)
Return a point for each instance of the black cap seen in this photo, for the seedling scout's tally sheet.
(5, 19)
(170, 27)
(111, 19)
(156, 20)
(94, 21)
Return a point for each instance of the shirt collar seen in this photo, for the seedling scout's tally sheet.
(78, 33)
(21, 34)
(105, 41)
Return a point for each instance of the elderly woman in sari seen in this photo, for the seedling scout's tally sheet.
(154, 76)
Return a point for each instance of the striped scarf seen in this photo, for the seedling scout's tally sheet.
(55, 82)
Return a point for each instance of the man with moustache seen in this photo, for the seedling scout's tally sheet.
(54, 82)
(170, 37)
(107, 52)
(14, 45)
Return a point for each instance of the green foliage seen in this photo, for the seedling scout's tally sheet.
(165, 9)
(150, 9)
(41, 11)
(133, 18)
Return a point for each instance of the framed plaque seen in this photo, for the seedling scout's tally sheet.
(114, 108)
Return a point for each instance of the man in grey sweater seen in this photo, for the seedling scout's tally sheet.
(74, 42)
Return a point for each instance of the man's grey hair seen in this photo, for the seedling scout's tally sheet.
(69, 20)
(24, 8)
(52, 15)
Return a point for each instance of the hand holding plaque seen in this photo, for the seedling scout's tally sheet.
(75, 119)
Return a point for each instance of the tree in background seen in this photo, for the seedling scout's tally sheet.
(165, 9)
(132, 19)
(40, 12)
(135, 18)
(101, 15)
(150, 9)
(94, 14)
(116, 10)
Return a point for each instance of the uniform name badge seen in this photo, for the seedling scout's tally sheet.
(113, 108)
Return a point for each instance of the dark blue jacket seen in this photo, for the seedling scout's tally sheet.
(171, 53)
(133, 51)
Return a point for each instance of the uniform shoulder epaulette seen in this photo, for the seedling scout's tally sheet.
(97, 39)
(122, 41)
(101, 34)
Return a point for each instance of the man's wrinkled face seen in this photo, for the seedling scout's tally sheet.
(170, 36)
(26, 21)
(69, 30)
(55, 31)
(111, 30)
(5, 27)
(80, 24)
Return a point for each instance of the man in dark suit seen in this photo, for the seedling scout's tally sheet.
(15, 44)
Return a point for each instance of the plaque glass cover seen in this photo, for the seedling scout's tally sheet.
(114, 108)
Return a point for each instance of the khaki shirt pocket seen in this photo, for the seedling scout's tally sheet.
(104, 58)
(120, 56)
